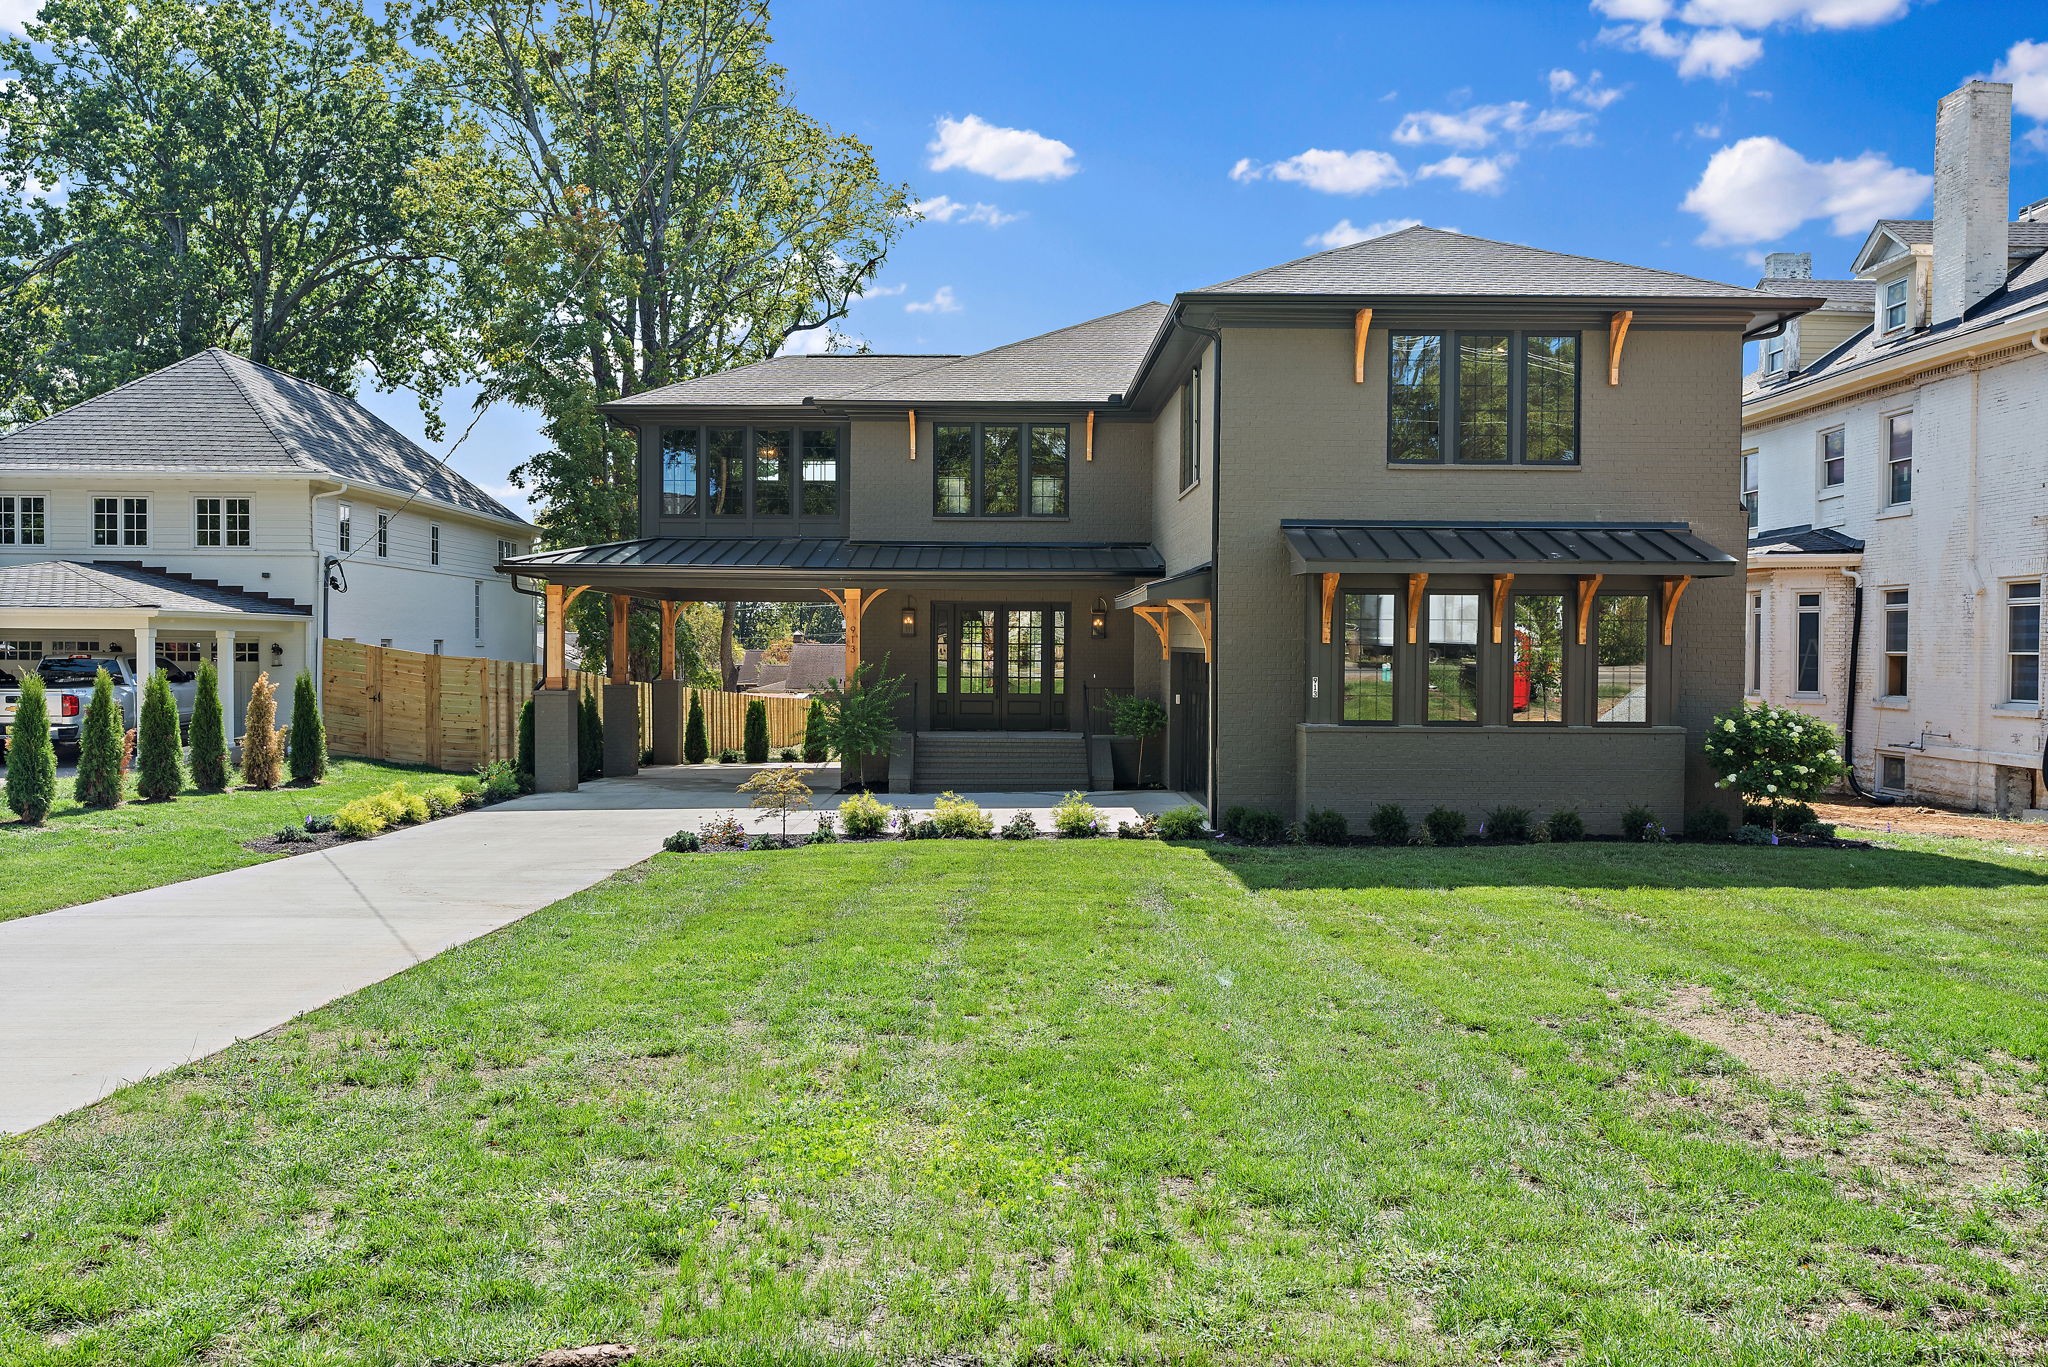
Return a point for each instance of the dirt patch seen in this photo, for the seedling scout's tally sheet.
(1868, 816)
(1856, 1106)
(594, 1355)
(312, 840)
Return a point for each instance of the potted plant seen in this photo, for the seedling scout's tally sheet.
(860, 720)
(1135, 719)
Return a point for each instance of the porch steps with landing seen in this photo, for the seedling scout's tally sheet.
(1001, 761)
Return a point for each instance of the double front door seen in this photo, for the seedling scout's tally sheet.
(999, 667)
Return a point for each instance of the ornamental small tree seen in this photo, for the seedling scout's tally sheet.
(262, 752)
(1135, 715)
(159, 757)
(1774, 756)
(817, 747)
(522, 768)
(696, 745)
(101, 746)
(31, 763)
(755, 737)
(308, 733)
(782, 790)
(860, 718)
(208, 734)
(589, 738)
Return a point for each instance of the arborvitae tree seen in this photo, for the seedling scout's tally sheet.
(160, 762)
(696, 745)
(208, 734)
(308, 733)
(817, 746)
(590, 737)
(262, 757)
(31, 764)
(101, 745)
(756, 735)
(524, 764)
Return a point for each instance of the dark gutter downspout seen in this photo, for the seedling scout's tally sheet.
(1215, 335)
(1849, 703)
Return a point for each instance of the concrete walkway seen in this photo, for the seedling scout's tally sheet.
(97, 996)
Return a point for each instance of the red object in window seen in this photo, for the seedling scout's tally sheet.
(70, 704)
(1524, 645)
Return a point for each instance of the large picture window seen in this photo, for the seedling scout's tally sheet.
(1621, 676)
(1369, 657)
(779, 473)
(1453, 657)
(1539, 658)
(1512, 398)
(999, 469)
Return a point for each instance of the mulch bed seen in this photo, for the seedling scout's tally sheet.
(315, 840)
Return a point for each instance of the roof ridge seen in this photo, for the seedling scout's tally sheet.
(220, 356)
(1007, 346)
(108, 393)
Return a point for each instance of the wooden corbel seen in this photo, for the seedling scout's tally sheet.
(1361, 323)
(1155, 616)
(1501, 584)
(913, 434)
(1589, 584)
(1091, 435)
(1416, 584)
(670, 611)
(1196, 610)
(1617, 334)
(1674, 589)
(1329, 603)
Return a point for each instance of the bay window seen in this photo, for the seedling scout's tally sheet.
(1511, 398)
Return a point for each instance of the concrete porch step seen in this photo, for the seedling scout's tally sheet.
(984, 761)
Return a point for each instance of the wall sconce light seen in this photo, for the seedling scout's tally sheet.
(910, 617)
(276, 655)
(1098, 620)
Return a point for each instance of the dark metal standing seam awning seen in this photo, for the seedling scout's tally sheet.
(1502, 548)
(809, 557)
(1194, 583)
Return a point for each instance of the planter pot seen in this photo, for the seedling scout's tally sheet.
(1123, 756)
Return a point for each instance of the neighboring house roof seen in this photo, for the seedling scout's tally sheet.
(107, 584)
(810, 666)
(1836, 296)
(1505, 547)
(779, 381)
(1802, 540)
(811, 556)
(1919, 232)
(216, 413)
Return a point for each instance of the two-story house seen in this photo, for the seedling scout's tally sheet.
(1426, 519)
(1897, 479)
(219, 509)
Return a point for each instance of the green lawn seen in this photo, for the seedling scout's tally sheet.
(81, 855)
(1106, 1103)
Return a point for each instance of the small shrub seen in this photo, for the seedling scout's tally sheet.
(1775, 757)
(1791, 816)
(1818, 830)
(696, 746)
(262, 752)
(31, 762)
(723, 832)
(1020, 827)
(823, 833)
(1706, 823)
(589, 738)
(443, 799)
(100, 745)
(1640, 823)
(207, 735)
(1389, 824)
(728, 756)
(817, 749)
(361, 818)
(1233, 817)
(523, 764)
(914, 827)
(1754, 835)
(318, 823)
(755, 733)
(1507, 823)
(1565, 824)
(1188, 822)
(1445, 827)
(1076, 818)
(412, 806)
(788, 755)
(683, 842)
(1145, 827)
(160, 750)
(961, 818)
(497, 781)
(309, 732)
(291, 835)
(864, 816)
(1256, 826)
(1326, 826)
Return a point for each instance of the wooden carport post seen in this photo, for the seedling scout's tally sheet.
(557, 747)
(853, 605)
(621, 699)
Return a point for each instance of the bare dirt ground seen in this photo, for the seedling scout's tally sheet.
(1868, 816)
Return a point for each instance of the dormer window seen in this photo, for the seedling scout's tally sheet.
(1895, 304)
(1774, 356)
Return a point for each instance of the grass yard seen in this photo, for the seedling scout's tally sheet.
(956, 1103)
(82, 855)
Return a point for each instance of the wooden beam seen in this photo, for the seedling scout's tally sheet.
(1674, 589)
(913, 434)
(621, 652)
(1501, 584)
(1416, 584)
(1091, 434)
(554, 659)
(573, 594)
(1361, 323)
(1329, 603)
(669, 612)
(1617, 334)
(1155, 616)
(1196, 610)
(1589, 584)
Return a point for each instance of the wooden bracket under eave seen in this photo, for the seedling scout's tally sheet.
(1416, 584)
(1617, 334)
(1091, 435)
(1589, 584)
(1196, 610)
(1155, 616)
(1329, 603)
(670, 610)
(1361, 323)
(1674, 589)
(913, 434)
(1501, 584)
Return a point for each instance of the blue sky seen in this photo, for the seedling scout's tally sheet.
(1080, 158)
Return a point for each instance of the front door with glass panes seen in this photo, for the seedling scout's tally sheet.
(999, 667)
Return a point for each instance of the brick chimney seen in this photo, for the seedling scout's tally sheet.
(1788, 266)
(1972, 189)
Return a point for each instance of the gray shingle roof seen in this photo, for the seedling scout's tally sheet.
(218, 413)
(1919, 232)
(1508, 548)
(822, 555)
(1081, 364)
(1430, 262)
(1803, 540)
(90, 584)
(1838, 295)
(780, 380)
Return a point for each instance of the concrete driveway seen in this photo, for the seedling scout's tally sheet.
(97, 996)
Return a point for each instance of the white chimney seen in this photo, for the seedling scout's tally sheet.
(1972, 188)
(1788, 266)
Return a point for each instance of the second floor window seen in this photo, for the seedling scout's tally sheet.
(763, 472)
(1834, 460)
(1507, 398)
(818, 472)
(679, 471)
(999, 469)
(434, 543)
(344, 528)
(383, 536)
(2023, 641)
(1749, 499)
(1898, 458)
(1774, 356)
(220, 522)
(22, 520)
(1191, 430)
(120, 522)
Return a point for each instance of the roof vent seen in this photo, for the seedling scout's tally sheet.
(2037, 212)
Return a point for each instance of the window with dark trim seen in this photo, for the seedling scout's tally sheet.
(384, 535)
(120, 521)
(680, 470)
(1806, 645)
(999, 469)
(220, 521)
(769, 472)
(772, 460)
(1369, 657)
(344, 523)
(21, 520)
(433, 543)
(725, 471)
(1756, 643)
(1191, 430)
(820, 471)
(1511, 398)
(1451, 627)
(1621, 676)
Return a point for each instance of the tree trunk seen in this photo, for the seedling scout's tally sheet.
(728, 667)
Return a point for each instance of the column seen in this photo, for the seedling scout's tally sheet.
(668, 696)
(224, 668)
(557, 750)
(621, 699)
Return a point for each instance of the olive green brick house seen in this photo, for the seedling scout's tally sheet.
(1427, 519)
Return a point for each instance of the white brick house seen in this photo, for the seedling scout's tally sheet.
(1897, 482)
(220, 508)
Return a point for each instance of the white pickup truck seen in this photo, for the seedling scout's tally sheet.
(68, 682)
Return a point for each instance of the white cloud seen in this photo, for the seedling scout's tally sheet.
(942, 301)
(1479, 125)
(1344, 233)
(2025, 64)
(17, 15)
(1634, 11)
(1708, 131)
(1561, 81)
(1715, 52)
(1481, 175)
(974, 144)
(1333, 173)
(946, 209)
(882, 291)
(1589, 92)
(1758, 189)
(815, 342)
(1756, 14)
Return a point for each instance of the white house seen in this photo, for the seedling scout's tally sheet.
(1897, 480)
(220, 509)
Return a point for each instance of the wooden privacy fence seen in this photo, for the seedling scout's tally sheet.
(453, 712)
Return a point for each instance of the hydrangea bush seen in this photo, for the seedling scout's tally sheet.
(1774, 756)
